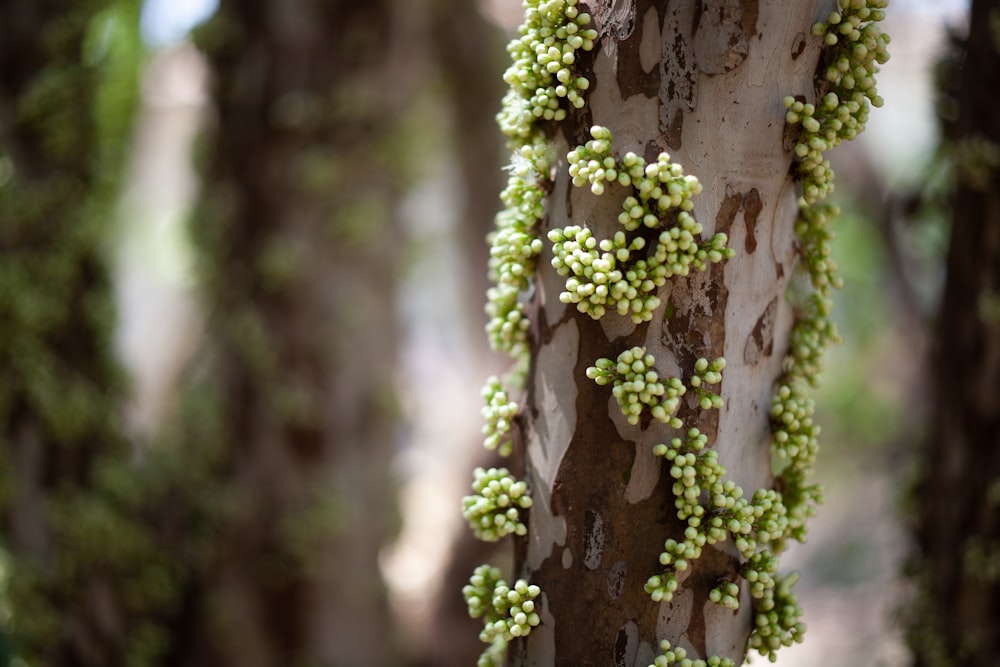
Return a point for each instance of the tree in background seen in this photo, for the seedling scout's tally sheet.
(84, 571)
(249, 535)
(299, 254)
(958, 494)
(668, 176)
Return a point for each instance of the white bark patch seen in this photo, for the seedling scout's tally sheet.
(629, 123)
(750, 376)
(626, 645)
(731, 151)
(544, 530)
(645, 656)
(594, 546)
(616, 327)
(557, 393)
(541, 643)
(645, 474)
(649, 44)
(717, 640)
(616, 579)
(550, 438)
(675, 615)
(567, 558)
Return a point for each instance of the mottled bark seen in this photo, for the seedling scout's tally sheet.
(296, 229)
(704, 82)
(958, 497)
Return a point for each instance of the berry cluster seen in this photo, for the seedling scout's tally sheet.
(713, 509)
(498, 413)
(494, 510)
(614, 273)
(507, 612)
(856, 46)
(677, 657)
(778, 617)
(541, 72)
(514, 247)
(636, 385)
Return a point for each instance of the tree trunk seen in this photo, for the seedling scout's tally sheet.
(958, 496)
(297, 233)
(656, 513)
(65, 104)
(704, 83)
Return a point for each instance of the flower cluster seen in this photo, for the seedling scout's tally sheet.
(662, 184)
(814, 331)
(507, 328)
(541, 72)
(812, 228)
(677, 657)
(596, 282)
(856, 46)
(707, 373)
(498, 413)
(494, 510)
(614, 273)
(540, 75)
(726, 594)
(714, 508)
(694, 469)
(794, 447)
(507, 612)
(514, 247)
(778, 618)
(636, 385)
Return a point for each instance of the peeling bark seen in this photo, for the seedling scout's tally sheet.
(603, 505)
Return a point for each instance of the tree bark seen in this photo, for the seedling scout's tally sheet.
(958, 496)
(297, 232)
(704, 82)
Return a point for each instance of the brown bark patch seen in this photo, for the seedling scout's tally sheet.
(707, 572)
(731, 204)
(760, 342)
(799, 46)
(632, 78)
(672, 126)
(752, 206)
(731, 24)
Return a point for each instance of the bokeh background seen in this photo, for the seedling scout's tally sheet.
(873, 403)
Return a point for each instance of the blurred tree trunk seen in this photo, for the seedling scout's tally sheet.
(958, 496)
(296, 231)
(67, 89)
(468, 52)
(703, 81)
